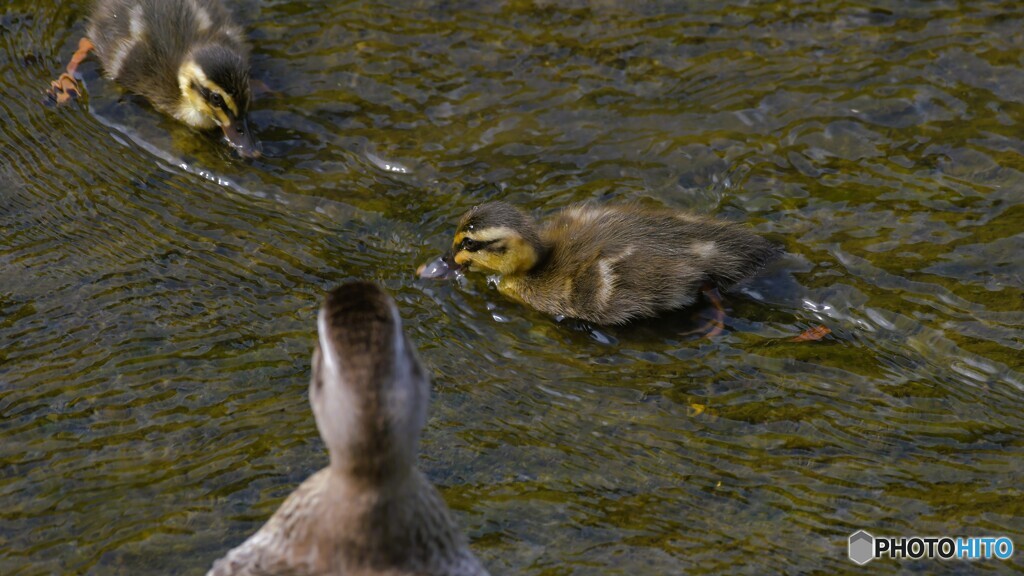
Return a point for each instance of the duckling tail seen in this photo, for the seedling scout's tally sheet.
(742, 256)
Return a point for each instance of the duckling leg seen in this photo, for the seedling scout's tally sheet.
(716, 325)
(65, 88)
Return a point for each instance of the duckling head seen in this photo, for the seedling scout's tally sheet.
(497, 237)
(214, 83)
(368, 391)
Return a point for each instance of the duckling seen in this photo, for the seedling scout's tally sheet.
(371, 511)
(186, 57)
(603, 264)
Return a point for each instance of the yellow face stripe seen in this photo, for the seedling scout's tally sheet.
(486, 235)
(191, 72)
(222, 118)
(514, 256)
(495, 233)
(479, 260)
(458, 238)
(228, 100)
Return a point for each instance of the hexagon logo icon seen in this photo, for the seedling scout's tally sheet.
(862, 547)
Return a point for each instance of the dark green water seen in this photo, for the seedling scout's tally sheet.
(157, 295)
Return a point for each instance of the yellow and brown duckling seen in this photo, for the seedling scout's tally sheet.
(371, 511)
(603, 264)
(187, 57)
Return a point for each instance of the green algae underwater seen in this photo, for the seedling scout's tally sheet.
(158, 294)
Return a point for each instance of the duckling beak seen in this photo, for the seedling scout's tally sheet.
(240, 138)
(442, 267)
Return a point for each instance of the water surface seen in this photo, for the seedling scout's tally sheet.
(158, 295)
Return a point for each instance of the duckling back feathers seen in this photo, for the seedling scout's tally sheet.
(142, 43)
(608, 265)
(371, 512)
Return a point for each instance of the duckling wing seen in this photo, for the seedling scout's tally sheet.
(725, 253)
(662, 261)
(612, 264)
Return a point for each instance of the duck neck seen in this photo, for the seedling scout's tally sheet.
(542, 251)
(372, 467)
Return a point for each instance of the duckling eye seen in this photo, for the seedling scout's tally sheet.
(471, 245)
(217, 100)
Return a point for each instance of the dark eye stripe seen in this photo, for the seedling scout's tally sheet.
(471, 245)
(209, 95)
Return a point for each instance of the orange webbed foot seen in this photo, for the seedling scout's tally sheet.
(64, 89)
(812, 334)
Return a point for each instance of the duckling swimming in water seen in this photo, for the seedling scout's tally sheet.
(603, 264)
(371, 512)
(186, 57)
